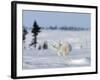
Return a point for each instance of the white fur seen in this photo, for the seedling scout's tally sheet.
(62, 48)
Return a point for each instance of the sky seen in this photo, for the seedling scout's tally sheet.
(50, 18)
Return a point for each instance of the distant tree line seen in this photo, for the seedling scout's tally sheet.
(72, 28)
(65, 28)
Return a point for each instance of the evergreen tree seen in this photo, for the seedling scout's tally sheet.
(45, 46)
(24, 33)
(35, 31)
(39, 48)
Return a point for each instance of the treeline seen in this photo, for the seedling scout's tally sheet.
(73, 28)
(64, 28)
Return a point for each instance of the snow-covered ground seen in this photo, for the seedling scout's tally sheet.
(48, 58)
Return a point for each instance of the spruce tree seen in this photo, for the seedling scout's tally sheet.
(35, 31)
(24, 33)
(45, 45)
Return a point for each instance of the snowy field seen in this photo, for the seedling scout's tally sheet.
(48, 58)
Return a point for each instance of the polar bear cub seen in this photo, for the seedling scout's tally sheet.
(62, 48)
